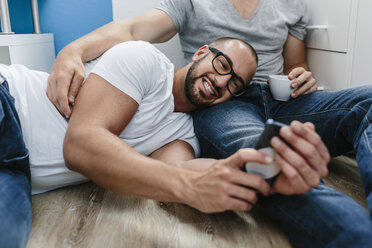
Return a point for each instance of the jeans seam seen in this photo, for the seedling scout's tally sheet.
(365, 132)
(331, 110)
(368, 144)
(264, 98)
(216, 146)
(362, 108)
(314, 113)
(301, 227)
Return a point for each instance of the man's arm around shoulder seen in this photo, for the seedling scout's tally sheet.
(68, 71)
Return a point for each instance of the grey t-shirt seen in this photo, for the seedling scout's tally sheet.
(200, 22)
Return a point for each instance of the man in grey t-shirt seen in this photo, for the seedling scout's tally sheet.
(266, 29)
(276, 29)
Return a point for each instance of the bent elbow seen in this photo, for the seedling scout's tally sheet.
(71, 150)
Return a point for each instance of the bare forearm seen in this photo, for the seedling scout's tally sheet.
(97, 42)
(179, 153)
(111, 163)
(289, 68)
(197, 164)
(153, 26)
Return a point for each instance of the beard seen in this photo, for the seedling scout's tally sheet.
(194, 95)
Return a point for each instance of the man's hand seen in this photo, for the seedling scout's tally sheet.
(304, 81)
(294, 55)
(225, 187)
(303, 167)
(65, 79)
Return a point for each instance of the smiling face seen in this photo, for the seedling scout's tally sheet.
(199, 97)
(204, 86)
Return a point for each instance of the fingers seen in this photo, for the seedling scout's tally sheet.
(309, 156)
(292, 182)
(238, 159)
(252, 181)
(239, 205)
(302, 147)
(245, 194)
(312, 89)
(307, 86)
(233, 189)
(242, 188)
(65, 79)
(57, 93)
(295, 73)
(309, 125)
(77, 80)
(220, 188)
(301, 166)
(317, 152)
(304, 82)
(309, 145)
(242, 156)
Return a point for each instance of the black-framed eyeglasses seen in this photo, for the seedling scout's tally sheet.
(222, 64)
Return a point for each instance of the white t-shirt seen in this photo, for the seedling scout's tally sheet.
(145, 74)
(42, 126)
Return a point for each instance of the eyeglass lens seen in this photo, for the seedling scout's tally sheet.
(223, 67)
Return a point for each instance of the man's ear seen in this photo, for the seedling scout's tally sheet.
(200, 52)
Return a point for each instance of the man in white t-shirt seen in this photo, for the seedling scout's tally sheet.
(129, 132)
(276, 29)
(141, 91)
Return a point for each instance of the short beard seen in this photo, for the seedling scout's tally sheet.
(190, 91)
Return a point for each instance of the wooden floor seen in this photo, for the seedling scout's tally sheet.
(90, 216)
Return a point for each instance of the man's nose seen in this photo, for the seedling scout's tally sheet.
(221, 80)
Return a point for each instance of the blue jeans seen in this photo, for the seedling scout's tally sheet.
(323, 217)
(15, 188)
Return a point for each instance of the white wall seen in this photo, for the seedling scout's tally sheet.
(362, 65)
(124, 9)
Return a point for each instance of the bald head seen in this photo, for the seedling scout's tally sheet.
(226, 41)
(242, 54)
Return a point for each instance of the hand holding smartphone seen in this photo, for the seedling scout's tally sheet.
(267, 171)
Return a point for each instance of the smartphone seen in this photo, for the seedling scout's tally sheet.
(268, 171)
(272, 129)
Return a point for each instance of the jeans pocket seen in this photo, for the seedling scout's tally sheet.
(19, 163)
(15, 160)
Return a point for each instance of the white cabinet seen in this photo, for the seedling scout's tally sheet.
(329, 25)
(36, 51)
(340, 50)
(362, 65)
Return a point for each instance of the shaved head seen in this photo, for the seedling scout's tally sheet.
(221, 42)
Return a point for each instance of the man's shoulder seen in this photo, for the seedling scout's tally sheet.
(134, 62)
(134, 47)
(134, 52)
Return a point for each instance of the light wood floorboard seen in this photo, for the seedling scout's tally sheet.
(90, 216)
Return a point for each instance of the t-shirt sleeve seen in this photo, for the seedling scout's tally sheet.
(129, 66)
(298, 29)
(178, 11)
(194, 143)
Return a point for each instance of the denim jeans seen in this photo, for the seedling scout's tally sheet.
(323, 217)
(15, 188)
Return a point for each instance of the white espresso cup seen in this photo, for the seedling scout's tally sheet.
(280, 87)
